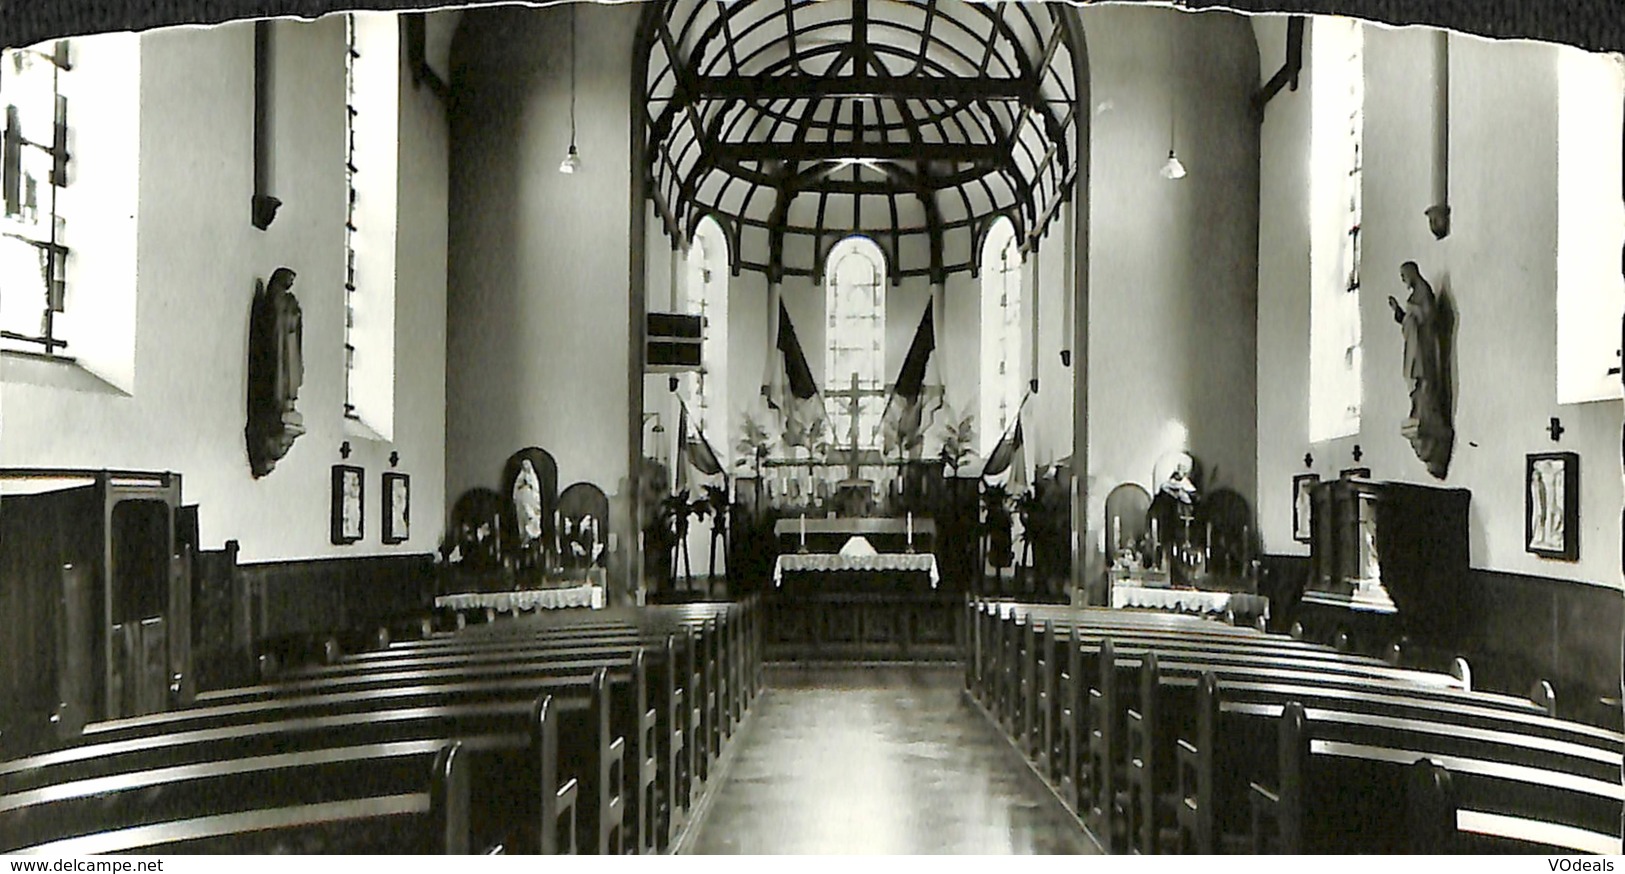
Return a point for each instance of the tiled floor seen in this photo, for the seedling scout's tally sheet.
(879, 760)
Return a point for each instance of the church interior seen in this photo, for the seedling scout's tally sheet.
(811, 426)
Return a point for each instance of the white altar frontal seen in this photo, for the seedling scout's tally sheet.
(836, 563)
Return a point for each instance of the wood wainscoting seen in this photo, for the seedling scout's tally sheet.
(864, 626)
(291, 609)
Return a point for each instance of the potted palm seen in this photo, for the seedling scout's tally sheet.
(958, 440)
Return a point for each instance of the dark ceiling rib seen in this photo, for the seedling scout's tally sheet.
(790, 35)
(718, 139)
(925, 37)
(769, 87)
(996, 16)
(834, 151)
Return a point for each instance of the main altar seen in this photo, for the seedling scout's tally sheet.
(856, 556)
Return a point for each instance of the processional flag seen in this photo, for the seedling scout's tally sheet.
(1004, 451)
(908, 408)
(791, 390)
(699, 450)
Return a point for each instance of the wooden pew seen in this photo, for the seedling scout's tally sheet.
(387, 797)
(1329, 772)
(1103, 749)
(1156, 748)
(1167, 730)
(599, 710)
(1236, 720)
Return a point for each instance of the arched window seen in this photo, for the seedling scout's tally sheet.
(1001, 382)
(1337, 130)
(707, 297)
(855, 356)
(371, 112)
(1590, 225)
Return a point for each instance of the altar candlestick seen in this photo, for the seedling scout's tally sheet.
(1207, 561)
(1156, 554)
(1117, 534)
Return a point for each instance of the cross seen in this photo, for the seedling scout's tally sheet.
(1358, 452)
(1556, 429)
(852, 408)
(1308, 460)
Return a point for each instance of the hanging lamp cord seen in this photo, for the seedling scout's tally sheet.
(572, 76)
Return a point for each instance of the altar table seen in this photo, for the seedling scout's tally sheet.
(884, 562)
(1190, 600)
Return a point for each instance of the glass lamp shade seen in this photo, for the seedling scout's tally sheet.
(571, 162)
(1173, 169)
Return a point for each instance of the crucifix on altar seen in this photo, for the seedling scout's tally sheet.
(854, 494)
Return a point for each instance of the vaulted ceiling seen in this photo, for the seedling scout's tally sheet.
(914, 122)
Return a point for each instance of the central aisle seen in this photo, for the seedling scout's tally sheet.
(879, 760)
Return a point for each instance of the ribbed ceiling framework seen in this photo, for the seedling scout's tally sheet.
(914, 122)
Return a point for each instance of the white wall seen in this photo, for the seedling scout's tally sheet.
(1172, 265)
(1498, 266)
(197, 259)
(537, 286)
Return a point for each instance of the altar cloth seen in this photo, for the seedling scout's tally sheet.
(1189, 600)
(584, 595)
(836, 563)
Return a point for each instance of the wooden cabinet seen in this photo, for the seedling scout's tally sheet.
(97, 598)
(1385, 548)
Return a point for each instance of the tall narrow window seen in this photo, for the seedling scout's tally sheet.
(707, 298)
(1590, 225)
(34, 170)
(1336, 137)
(1001, 382)
(855, 358)
(372, 112)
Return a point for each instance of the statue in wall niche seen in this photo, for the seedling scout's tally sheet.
(1425, 324)
(276, 371)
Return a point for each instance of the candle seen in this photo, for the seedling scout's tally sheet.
(803, 529)
(911, 528)
(1208, 542)
(1117, 533)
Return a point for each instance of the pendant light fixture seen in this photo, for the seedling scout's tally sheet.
(572, 158)
(1173, 169)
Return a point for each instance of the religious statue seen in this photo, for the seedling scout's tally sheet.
(1172, 515)
(1422, 319)
(275, 372)
(528, 512)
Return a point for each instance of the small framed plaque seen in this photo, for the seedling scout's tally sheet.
(349, 503)
(397, 507)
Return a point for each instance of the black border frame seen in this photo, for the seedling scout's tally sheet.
(336, 512)
(387, 526)
(1571, 505)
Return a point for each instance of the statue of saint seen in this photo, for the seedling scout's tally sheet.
(1428, 427)
(275, 373)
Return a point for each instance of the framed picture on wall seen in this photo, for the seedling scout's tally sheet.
(1303, 486)
(349, 502)
(397, 507)
(1551, 500)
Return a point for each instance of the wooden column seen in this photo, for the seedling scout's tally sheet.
(1032, 310)
(1438, 213)
(638, 198)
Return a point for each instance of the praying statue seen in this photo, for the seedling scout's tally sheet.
(1428, 427)
(529, 515)
(275, 372)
